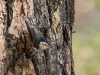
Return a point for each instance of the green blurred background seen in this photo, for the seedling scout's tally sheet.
(86, 40)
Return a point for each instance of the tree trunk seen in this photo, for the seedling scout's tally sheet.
(54, 18)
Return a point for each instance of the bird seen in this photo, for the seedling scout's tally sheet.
(38, 40)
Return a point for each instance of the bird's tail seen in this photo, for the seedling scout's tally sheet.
(29, 24)
(30, 27)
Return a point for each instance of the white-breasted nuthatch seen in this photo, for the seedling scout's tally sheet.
(38, 40)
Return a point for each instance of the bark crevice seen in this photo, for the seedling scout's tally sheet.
(54, 18)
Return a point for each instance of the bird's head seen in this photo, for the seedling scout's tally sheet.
(43, 45)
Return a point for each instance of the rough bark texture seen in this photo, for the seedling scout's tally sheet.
(54, 18)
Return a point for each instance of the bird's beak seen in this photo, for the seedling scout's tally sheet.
(48, 46)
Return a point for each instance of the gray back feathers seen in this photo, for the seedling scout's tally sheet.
(35, 34)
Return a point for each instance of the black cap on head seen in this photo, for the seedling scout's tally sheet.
(44, 40)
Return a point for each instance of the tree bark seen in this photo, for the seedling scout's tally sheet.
(54, 18)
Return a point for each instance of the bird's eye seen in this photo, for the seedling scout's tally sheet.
(45, 44)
